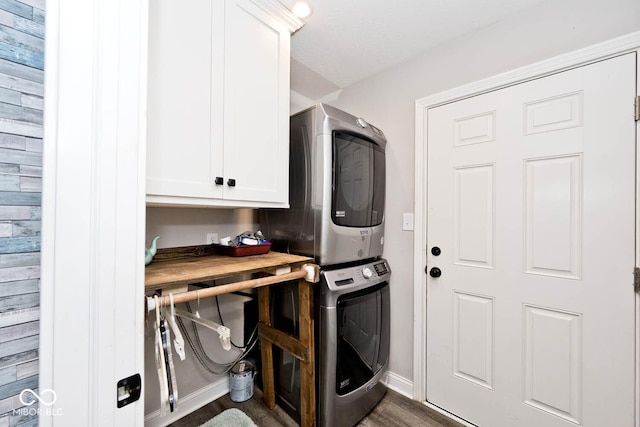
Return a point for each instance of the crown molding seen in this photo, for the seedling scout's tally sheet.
(280, 12)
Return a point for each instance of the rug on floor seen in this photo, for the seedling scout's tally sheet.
(230, 418)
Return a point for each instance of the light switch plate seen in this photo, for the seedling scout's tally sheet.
(407, 221)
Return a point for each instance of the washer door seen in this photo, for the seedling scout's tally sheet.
(363, 336)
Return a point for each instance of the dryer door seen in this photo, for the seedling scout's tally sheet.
(358, 181)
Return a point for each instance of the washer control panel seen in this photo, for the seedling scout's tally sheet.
(369, 273)
(381, 268)
(352, 278)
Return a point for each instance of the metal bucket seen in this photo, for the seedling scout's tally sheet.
(241, 381)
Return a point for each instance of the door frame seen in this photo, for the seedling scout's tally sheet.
(621, 45)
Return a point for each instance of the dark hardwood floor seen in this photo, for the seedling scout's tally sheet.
(393, 410)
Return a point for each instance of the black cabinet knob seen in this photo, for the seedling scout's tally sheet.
(435, 272)
(231, 182)
(219, 180)
(435, 251)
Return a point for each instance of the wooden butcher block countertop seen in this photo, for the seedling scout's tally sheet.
(182, 266)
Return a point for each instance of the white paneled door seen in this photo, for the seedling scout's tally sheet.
(531, 203)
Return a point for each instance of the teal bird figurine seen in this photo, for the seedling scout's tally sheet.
(149, 253)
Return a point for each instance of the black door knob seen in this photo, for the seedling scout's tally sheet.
(219, 180)
(231, 182)
(435, 272)
(435, 251)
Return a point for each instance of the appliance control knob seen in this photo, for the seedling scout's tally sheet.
(367, 272)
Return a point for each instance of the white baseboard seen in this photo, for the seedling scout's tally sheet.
(189, 403)
(397, 383)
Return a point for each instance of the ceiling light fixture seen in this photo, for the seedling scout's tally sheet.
(301, 9)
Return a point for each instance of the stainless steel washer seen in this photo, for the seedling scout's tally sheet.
(353, 341)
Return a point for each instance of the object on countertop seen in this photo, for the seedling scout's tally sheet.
(247, 243)
(149, 253)
(246, 238)
(250, 238)
(243, 250)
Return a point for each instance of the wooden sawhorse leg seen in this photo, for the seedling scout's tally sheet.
(307, 367)
(302, 349)
(266, 348)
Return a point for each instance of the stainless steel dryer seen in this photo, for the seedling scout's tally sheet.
(336, 189)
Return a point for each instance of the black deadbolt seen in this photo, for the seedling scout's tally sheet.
(435, 251)
(435, 272)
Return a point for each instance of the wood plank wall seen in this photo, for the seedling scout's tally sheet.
(21, 105)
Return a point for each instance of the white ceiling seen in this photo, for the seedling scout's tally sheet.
(345, 41)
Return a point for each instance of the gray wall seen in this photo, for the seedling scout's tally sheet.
(190, 226)
(21, 104)
(388, 100)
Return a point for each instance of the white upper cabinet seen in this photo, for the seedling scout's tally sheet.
(218, 113)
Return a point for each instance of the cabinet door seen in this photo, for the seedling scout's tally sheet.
(256, 104)
(182, 57)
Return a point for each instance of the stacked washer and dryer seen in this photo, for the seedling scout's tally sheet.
(337, 195)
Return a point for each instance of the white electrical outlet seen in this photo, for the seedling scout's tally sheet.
(212, 238)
